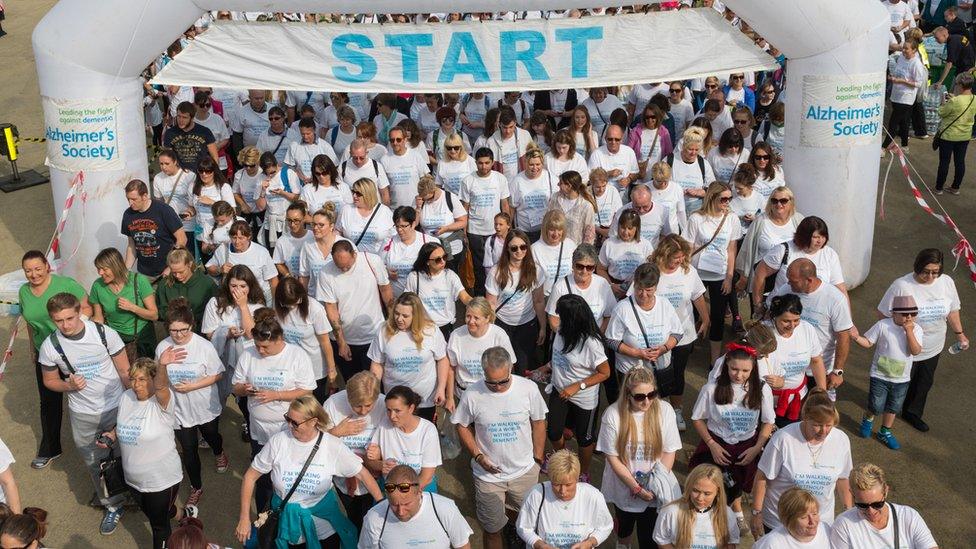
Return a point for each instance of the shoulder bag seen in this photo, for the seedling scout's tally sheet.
(937, 139)
(664, 377)
(267, 521)
(712, 239)
(366, 227)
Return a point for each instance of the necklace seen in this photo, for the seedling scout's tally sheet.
(815, 453)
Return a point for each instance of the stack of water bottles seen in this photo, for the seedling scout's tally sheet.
(934, 98)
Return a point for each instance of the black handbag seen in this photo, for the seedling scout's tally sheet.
(111, 477)
(666, 377)
(267, 522)
(937, 139)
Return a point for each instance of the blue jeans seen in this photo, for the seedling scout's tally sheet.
(886, 396)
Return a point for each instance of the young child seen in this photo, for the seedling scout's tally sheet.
(664, 191)
(898, 340)
(747, 202)
(213, 235)
(496, 242)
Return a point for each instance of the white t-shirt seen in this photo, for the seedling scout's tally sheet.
(673, 197)
(404, 172)
(659, 323)
(212, 320)
(218, 127)
(600, 112)
(300, 154)
(513, 306)
(419, 449)
(712, 262)
(892, 360)
(405, 364)
(621, 258)
(175, 190)
(624, 160)
(530, 197)
(371, 169)
(569, 367)
(89, 359)
(828, 311)
(723, 165)
(255, 257)
(437, 213)
(793, 354)
(145, 431)
(277, 143)
(438, 294)
(215, 193)
(508, 151)
(286, 371)
(502, 425)
(658, 222)
(483, 195)
(598, 296)
(935, 301)
(450, 173)
(564, 523)
(789, 461)
(681, 289)
(248, 186)
(639, 460)
(772, 236)
(734, 422)
(250, 123)
(555, 260)
(201, 405)
(558, 167)
(689, 176)
(464, 352)
(742, 206)
(286, 180)
(641, 94)
(780, 538)
(852, 531)
(703, 534)
(356, 293)
(311, 261)
(607, 207)
(6, 460)
(339, 194)
(826, 260)
(446, 528)
(337, 407)
(683, 113)
(288, 251)
(284, 456)
(399, 257)
(304, 333)
(352, 225)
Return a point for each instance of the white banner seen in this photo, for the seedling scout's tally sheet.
(842, 110)
(466, 56)
(82, 134)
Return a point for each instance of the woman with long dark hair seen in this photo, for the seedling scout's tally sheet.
(326, 186)
(438, 288)
(307, 326)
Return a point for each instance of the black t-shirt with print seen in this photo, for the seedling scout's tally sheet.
(189, 146)
(154, 234)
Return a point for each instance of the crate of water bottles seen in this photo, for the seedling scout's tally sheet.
(934, 98)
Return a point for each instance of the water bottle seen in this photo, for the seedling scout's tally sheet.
(957, 348)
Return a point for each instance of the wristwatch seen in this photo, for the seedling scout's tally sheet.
(582, 385)
(839, 373)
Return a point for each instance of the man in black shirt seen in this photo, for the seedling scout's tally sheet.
(153, 229)
(189, 140)
(959, 54)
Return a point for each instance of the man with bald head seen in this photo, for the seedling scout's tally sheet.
(657, 219)
(411, 518)
(619, 161)
(827, 309)
(360, 165)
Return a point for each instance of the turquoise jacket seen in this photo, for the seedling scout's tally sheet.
(296, 521)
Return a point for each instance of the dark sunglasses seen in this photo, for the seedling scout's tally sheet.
(204, 105)
(357, 193)
(650, 117)
(910, 315)
(518, 248)
(204, 170)
(396, 139)
(321, 173)
(453, 148)
(250, 165)
(738, 77)
(498, 383)
(294, 424)
(782, 201)
(877, 505)
(725, 199)
(582, 267)
(403, 487)
(641, 397)
(438, 259)
(710, 86)
(613, 139)
(740, 121)
(675, 91)
(761, 157)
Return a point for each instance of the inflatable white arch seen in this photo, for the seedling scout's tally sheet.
(89, 57)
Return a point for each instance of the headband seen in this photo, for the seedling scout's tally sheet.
(740, 347)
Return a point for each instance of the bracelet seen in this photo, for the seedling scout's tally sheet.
(636, 490)
(477, 457)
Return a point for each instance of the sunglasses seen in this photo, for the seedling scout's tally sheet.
(761, 157)
(250, 165)
(675, 91)
(710, 86)
(877, 505)
(910, 315)
(294, 424)
(402, 487)
(650, 117)
(454, 148)
(498, 383)
(738, 77)
(583, 267)
(725, 199)
(204, 170)
(613, 139)
(780, 201)
(357, 193)
(641, 397)
(740, 121)
(438, 259)
(204, 105)
(518, 248)
(321, 173)
(396, 140)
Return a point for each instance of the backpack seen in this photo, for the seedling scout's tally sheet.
(334, 136)
(432, 506)
(376, 169)
(701, 165)
(100, 328)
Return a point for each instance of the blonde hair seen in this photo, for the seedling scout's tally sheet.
(564, 465)
(249, 155)
(532, 150)
(598, 174)
(328, 211)
(455, 140)
(694, 136)
(793, 504)
(178, 256)
(144, 365)
(687, 511)
(867, 476)
(481, 306)
(554, 219)
(782, 189)
(710, 204)
(818, 407)
(367, 188)
(660, 171)
(111, 259)
(419, 324)
(667, 247)
(650, 428)
(362, 388)
(425, 185)
(309, 406)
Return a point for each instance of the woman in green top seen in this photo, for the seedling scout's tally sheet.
(955, 131)
(126, 303)
(185, 280)
(41, 285)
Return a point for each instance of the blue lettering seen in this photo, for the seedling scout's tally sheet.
(408, 44)
(511, 55)
(463, 43)
(578, 38)
(341, 50)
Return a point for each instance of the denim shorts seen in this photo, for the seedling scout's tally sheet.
(886, 396)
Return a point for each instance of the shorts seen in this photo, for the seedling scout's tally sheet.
(563, 413)
(886, 396)
(491, 499)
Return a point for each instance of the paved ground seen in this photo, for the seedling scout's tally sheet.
(934, 472)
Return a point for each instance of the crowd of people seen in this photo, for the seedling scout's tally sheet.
(373, 276)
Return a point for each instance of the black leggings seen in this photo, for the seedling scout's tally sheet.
(427, 412)
(581, 422)
(523, 340)
(679, 360)
(356, 507)
(476, 245)
(899, 122)
(923, 377)
(159, 507)
(190, 443)
(359, 362)
(321, 391)
(955, 150)
(263, 486)
(717, 305)
(644, 524)
(52, 411)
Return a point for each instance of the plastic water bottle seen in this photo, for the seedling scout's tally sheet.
(957, 348)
